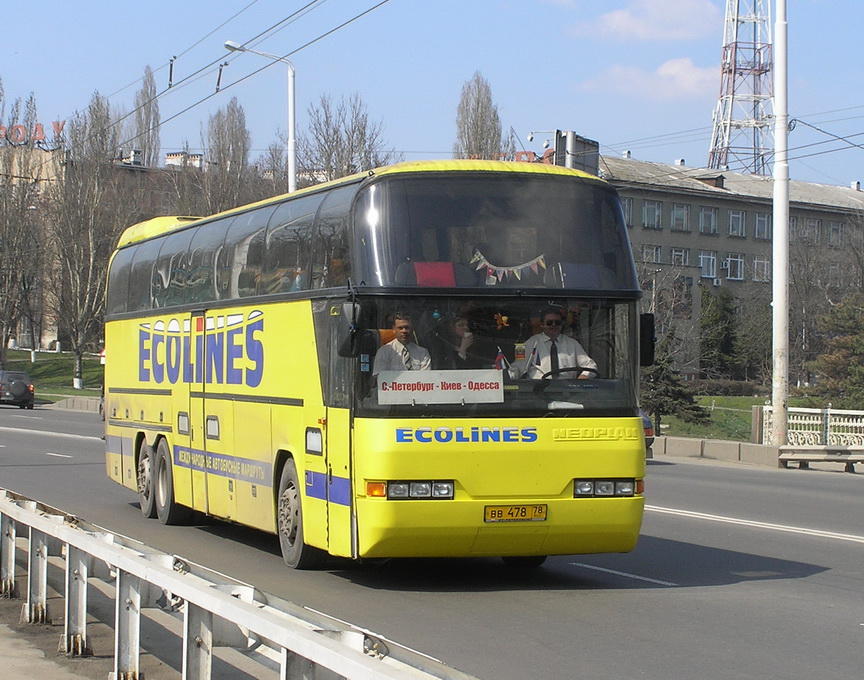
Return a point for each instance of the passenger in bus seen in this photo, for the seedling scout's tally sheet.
(401, 353)
(551, 351)
(453, 345)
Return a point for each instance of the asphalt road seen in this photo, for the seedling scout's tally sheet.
(741, 572)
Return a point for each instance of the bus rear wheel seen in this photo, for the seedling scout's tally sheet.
(289, 521)
(146, 469)
(167, 509)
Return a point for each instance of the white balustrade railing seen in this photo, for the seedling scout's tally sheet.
(216, 610)
(818, 427)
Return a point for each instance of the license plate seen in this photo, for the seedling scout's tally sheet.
(515, 513)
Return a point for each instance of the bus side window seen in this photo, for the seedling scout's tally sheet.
(205, 246)
(241, 261)
(172, 268)
(331, 266)
(289, 245)
(141, 276)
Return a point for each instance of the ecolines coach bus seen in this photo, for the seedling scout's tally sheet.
(241, 381)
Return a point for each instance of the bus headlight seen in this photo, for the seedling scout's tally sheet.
(420, 489)
(606, 488)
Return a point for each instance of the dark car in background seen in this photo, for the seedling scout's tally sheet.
(16, 389)
(649, 429)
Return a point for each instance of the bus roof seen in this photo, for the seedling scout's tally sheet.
(165, 224)
(152, 227)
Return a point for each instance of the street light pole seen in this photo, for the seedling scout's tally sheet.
(232, 46)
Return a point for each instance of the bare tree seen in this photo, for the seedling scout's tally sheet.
(88, 210)
(226, 178)
(20, 259)
(341, 141)
(478, 126)
(147, 120)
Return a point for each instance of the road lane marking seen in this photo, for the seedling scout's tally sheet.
(625, 574)
(852, 538)
(50, 434)
(58, 455)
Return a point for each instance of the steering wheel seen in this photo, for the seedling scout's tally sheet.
(580, 369)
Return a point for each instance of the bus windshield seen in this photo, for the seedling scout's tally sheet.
(487, 356)
(491, 232)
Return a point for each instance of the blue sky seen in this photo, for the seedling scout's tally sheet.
(637, 75)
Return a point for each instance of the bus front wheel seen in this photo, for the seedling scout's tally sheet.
(167, 509)
(289, 519)
(146, 469)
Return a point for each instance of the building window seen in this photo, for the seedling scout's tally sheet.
(680, 217)
(627, 207)
(810, 230)
(652, 214)
(734, 266)
(708, 264)
(679, 256)
(736, 223)
(708, 220)
(762, 228)
(651, 253)
(836, 234)
(761, 268)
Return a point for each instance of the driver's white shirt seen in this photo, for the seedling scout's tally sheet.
(537, 362)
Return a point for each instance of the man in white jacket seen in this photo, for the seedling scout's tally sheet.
(552, 351)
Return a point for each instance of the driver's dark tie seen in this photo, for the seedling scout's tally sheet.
(553, 357)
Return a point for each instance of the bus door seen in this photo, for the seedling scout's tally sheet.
(339, 487)
(217, 412)
(197, 447)
(338, 438)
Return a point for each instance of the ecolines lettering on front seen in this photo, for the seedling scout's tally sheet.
(215, 353)
(472, 435)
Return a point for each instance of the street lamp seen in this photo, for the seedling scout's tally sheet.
(232, 46)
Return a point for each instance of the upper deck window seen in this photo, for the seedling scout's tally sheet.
(490, 231)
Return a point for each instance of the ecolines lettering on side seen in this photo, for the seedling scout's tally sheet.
(227, 352)
(472, 435)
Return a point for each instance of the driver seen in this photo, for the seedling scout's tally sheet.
(551, 351)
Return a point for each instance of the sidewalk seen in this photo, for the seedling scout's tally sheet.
(20, 658)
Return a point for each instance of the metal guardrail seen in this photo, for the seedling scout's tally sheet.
(216, 610)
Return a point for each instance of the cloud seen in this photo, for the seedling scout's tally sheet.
(674, 79)
(657, 20)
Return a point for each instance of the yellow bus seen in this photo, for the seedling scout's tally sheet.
(241, 378)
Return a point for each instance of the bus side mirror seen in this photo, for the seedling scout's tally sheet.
(347, 332)
(646, 340)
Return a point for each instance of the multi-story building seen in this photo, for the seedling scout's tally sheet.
(693, 228)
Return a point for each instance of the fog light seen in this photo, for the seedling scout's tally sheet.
(604, 487)
(421, 489)
(397, 490)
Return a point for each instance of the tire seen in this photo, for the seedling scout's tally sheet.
(167, 509)
(146, 472)
(289, 523)
(524, 561)
(18, 388)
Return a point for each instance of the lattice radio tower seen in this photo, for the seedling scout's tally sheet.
(742, 139)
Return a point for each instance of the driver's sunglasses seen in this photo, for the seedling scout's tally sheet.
(552, 323)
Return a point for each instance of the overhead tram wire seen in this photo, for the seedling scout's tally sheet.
(201, 72)
(270, 64)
